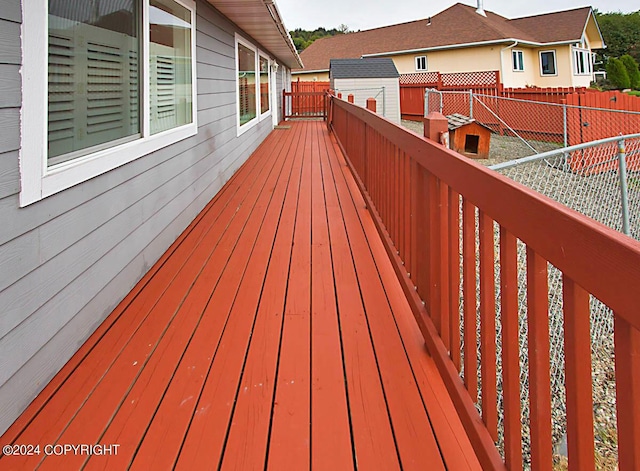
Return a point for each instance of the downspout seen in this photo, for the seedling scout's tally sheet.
(515, 43)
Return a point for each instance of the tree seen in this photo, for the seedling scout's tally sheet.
(617, 73)
(632, 69)
(621, 33)
(303, 39)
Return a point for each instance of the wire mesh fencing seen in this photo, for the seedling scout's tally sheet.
(525, 127)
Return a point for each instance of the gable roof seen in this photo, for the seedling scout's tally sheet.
(457, 26)
(371, 67)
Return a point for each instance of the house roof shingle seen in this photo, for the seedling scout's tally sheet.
(457, 25)
(372, 67)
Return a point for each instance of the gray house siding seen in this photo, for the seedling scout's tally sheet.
(68, 260)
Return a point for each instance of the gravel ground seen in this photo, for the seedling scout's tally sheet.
(598, 197)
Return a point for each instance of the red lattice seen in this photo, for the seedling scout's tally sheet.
(420, 78)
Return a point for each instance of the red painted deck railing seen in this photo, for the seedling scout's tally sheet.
(415, 190)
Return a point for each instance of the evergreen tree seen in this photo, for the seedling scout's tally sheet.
(632, 69)
(617, 73)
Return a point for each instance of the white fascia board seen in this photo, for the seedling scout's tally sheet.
(468, 45)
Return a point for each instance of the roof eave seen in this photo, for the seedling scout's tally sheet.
(261, 20)
(474, 44)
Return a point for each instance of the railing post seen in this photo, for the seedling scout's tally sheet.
(350, 98)
(371, 104)
(471, 103)
(436, 128)
(624, 194)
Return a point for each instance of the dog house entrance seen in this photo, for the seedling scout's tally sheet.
(471, 142)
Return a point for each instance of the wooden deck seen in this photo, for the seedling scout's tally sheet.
(273, 334)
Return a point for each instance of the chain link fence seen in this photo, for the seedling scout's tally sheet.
(601, 180)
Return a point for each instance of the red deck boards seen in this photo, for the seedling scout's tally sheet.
(272, 334)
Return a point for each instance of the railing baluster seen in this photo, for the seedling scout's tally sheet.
(577, 352)
(510, 350)
(539, 375)
(430, 273)
(454, 276)
(443, 255)
(627, 351)
(469, 296)
(488, 326)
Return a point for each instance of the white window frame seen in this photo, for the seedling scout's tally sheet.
(418, 60)
(241, 129)
(587, 57)
(38, 180)
(517, 60)
(555, 63)
(267, 113)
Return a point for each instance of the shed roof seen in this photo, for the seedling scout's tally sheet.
(379, 67)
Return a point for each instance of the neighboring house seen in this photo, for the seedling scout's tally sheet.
(375, 78)
(113, 137)
(547, 50)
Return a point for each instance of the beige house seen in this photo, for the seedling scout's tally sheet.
(546, 50)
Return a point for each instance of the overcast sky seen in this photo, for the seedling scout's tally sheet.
(359, 14)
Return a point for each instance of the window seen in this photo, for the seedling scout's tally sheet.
(582, 61)
(518, 61)
(421, 63)
(117, 84)
(548, 63)
(253, 89)
(246, 84)
(265, 101)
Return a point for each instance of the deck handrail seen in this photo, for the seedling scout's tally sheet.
(415, 189)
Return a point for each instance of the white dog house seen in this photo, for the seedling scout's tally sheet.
(368, 78)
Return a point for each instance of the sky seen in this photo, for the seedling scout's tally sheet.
(367, 14)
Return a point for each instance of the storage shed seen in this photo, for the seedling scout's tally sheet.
(375, 78)
(468, 137)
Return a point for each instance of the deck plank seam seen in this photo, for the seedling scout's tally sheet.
(260, 191)
(286, 184)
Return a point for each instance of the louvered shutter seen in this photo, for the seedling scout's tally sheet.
(93, 89)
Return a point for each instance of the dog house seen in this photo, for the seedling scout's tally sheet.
(468, 137)
(365, 78)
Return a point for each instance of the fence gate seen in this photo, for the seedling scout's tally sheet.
(304, 104)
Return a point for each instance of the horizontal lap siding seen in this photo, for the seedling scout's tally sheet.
(66, 261)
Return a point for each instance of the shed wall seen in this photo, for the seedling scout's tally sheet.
(364, 88)
(68, 260)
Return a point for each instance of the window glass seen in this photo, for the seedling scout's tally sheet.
(518, 61)
(548, 62)
(170, 79)
(246, 83)
(264, 85)
(581, 61)
(421, 63)
(93, 76)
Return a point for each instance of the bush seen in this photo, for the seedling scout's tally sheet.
(617, 73)
(632, 69)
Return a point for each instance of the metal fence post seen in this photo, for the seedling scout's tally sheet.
(565, 137)
(471, 103)
(624, 194)
(564, 125)
(426, 102)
